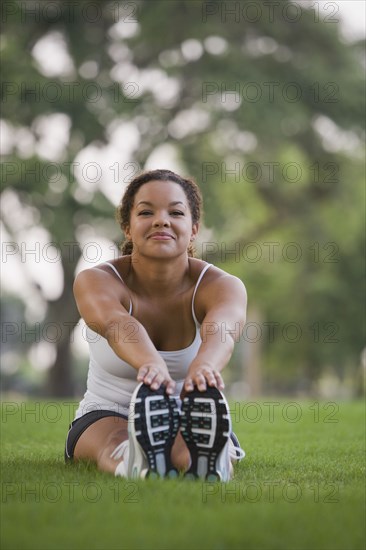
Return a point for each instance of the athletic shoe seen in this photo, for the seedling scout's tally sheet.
(206, 429)
(152, 427)
(121, 453)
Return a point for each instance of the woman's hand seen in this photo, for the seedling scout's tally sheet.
(202, 377)
(154, 374)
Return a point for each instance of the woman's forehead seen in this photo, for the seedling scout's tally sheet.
(161, 192)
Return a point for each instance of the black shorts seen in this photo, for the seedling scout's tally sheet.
(78, 426)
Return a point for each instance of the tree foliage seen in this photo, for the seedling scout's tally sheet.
(265, 112)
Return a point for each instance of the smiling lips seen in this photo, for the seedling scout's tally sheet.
(161, 236)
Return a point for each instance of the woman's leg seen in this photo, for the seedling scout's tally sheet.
(181, 458)
(99, 440)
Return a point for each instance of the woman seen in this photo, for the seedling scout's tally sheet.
(161, 324)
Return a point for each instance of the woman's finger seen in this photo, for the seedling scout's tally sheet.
(188, 384)
(170, 386)
(142, 373)
(211, 378)
(150, 376)
(157, 381)
(200, 381)
(220, 382)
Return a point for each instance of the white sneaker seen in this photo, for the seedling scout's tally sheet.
(121, 452)
(206, 429)
(153, 424)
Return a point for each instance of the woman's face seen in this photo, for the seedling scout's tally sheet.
(161, 221)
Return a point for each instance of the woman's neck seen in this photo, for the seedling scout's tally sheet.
(158, 277)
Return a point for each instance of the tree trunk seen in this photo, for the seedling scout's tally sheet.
(60, 379)
(64, 314)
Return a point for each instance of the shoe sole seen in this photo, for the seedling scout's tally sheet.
(205, 427)
(153, 426)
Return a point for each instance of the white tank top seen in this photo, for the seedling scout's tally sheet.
(111, 381)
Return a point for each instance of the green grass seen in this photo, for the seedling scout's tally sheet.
(300, 487)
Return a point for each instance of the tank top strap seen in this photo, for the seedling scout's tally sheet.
(119, 276)
(207, 266)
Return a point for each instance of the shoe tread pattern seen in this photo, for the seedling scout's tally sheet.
(205, 427)
(156, 422)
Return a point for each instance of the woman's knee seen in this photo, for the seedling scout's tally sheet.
(105, 457)
(99, 438)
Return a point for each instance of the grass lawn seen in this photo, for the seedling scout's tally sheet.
(300, 487)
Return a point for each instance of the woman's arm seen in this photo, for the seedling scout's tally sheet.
(224, 301)
(99, 297)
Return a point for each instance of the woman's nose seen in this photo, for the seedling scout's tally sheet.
(161, 219)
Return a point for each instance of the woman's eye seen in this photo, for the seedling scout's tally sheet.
(149, 212)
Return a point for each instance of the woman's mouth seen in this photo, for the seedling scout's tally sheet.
(161, 236)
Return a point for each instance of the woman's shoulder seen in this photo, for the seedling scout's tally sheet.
(107, 272)
(212, 273)
(104, 281)
(120, 265)
(218, 288)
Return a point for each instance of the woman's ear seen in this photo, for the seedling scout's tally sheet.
(195, 228)
(127, 233)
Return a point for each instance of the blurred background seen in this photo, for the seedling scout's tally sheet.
(262, 103)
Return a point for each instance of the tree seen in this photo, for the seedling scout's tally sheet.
(266, 119)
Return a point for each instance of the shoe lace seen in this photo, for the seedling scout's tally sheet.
(236, 453)
(120, 450)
